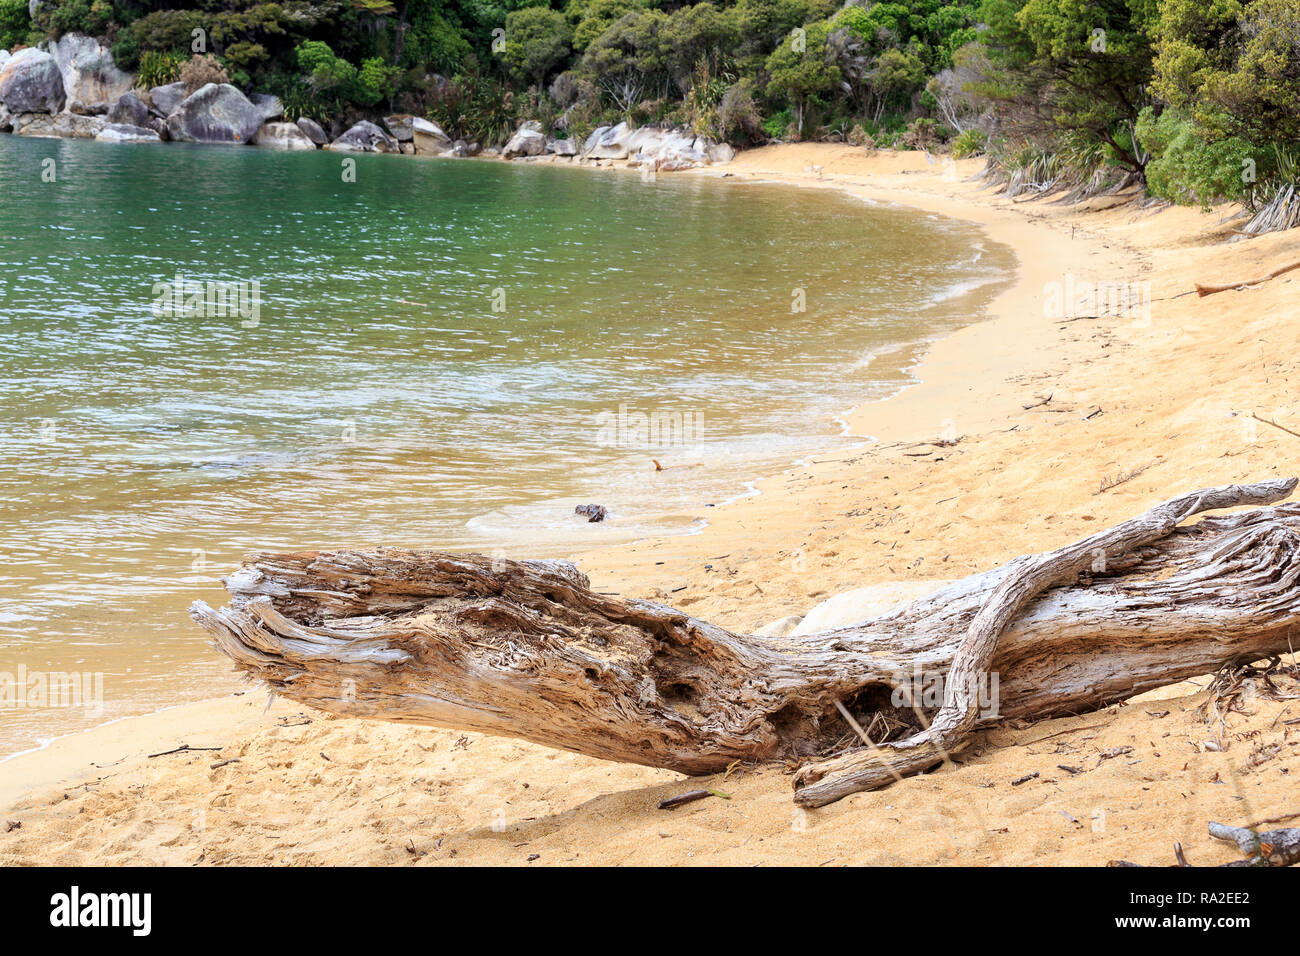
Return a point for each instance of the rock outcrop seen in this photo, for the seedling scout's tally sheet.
(59, 125)
(312, 130)
(30, 82)
(364, 137)
(282, 136)
(400, 127)
(429, 137)
(562, 147)
(527, 141)
(269, 106)
(127, 133)
(216, 113)
(129, 110)
(91, 79)
(165, 99)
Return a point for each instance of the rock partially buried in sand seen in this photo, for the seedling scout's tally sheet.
(592, 512)
(861, 604)
(216, 113)
(30, 82)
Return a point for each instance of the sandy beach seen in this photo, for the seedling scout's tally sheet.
(1025, 432)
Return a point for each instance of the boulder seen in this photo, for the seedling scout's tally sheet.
(401, 127)
(526, 142)
(282, 136)
(58, 126)
(269, 106)
(165, 99)
(30, 82)
(4, 57)
(90, 78)
(311, 129)
(6, 119)
(562, 147)
(612, 144)
(127, 133)
(429, 137)
(129, 110)
(215, 113)
(720, 153)
(492, 152)
(364, 137)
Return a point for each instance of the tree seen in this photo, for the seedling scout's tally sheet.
(629, 56)
(800, 69)
(1072, 66)
(537, 38)
(1232, 67)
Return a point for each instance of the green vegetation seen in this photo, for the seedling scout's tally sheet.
(1198, 99)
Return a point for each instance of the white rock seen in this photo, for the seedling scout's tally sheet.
(126, 133)
(861, 604)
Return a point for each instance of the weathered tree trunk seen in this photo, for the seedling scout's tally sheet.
(527, 649)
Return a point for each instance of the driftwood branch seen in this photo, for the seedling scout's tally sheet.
(1204, 289)
(527, 649)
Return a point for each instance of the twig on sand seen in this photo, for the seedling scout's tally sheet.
(1269, 421)
(183, 748)
(690, 796)
(1107, 483)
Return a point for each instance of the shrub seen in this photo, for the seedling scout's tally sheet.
(90, 17)
(158, 68)
(1186, 167)
(860, 137)
(970, 143)
(202, 69)
(14, 23)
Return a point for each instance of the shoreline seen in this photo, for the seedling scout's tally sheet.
(1024, 477)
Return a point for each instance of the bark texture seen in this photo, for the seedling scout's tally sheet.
(527, 649)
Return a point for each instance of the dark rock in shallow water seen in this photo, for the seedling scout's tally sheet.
(30, 82)
(311, 129)
(215, 113)
(592, 512)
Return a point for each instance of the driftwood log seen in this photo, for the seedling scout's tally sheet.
(527, 649)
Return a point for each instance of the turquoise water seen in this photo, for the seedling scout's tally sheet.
(433, 355)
